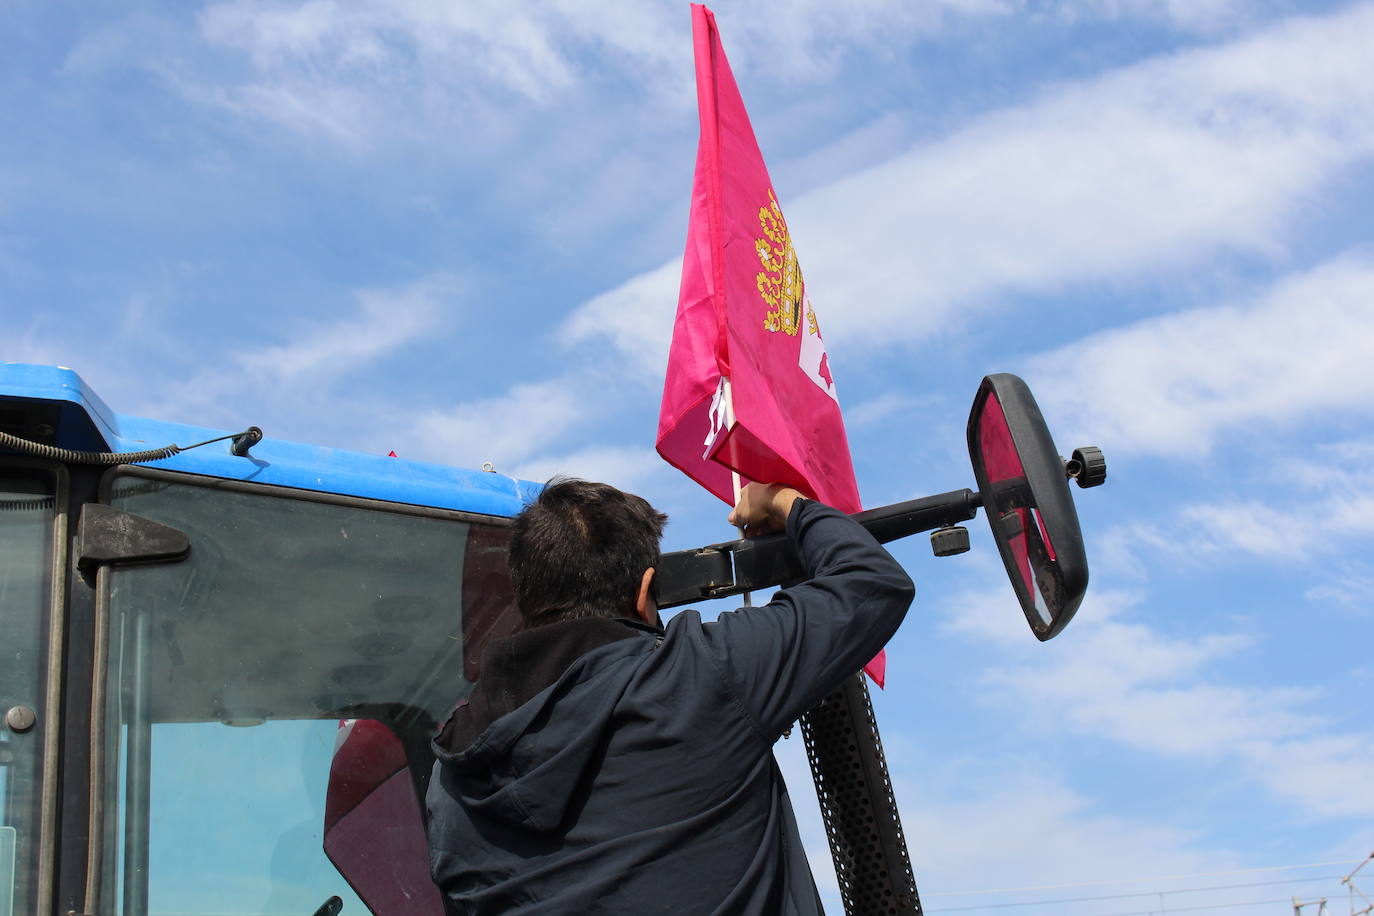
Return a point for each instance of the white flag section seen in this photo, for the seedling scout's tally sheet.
(813, 359)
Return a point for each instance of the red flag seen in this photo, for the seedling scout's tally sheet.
(749, 387)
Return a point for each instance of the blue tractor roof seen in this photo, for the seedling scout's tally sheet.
(76, 418)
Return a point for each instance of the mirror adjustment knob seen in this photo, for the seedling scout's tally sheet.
(1087, 467)
(948, 541)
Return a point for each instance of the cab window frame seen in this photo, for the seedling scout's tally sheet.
(51, 656)
(102, 841)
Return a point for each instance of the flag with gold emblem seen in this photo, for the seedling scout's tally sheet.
(749, 387)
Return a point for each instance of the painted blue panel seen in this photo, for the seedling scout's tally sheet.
(274, 461)
(57, 383)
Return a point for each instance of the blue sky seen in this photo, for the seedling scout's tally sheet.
(454, 231)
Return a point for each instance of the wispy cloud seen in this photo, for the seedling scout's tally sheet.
(1292, 530)
(1171, 385)
(636, 316)
(1193, 15)
(1122, 680)
(1151, 167)
(964, 823)
(1030, 828)
(883, 407)
(138, 368)
(507, 429)
(362, 61)
(383, 321)
(1318, 513)
(631, 468)
(1308, 516)
(1351, 587)
(537, 429)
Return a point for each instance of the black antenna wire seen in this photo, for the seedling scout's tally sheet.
(73, 456)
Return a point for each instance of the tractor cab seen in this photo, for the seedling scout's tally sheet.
(222, 670)
(224, 661)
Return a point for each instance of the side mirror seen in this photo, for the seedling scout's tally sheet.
(1025, 494)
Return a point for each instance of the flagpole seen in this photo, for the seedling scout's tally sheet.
(734, 475)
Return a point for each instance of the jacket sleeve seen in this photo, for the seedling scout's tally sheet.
(781, 658)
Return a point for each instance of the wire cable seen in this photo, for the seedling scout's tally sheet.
(72, 456)
(1181, 890)
(1206, 874)
(1195, 909)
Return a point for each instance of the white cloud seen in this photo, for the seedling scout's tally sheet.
(140, 366)
(1295, 531)
(637, 316)
(1170, 385)
(1118, 550)
(397, 41)
(1153, 166)
(1199, 15)
(964, 823)
(525, 432)
(1018, 828)
(368, 61)
(1316, 515)
(880, 408)
(629, 468)
(384, 321)
(1316, 511)
(1249, 527)
(1352, 587)
(311, 359)
(1111, 677)
(506, 430)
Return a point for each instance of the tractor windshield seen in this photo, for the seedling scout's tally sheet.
(269, 700)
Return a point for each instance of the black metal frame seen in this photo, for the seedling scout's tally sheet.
(1046, 488)
(735, 567)
(50, 677)
(858, 806)
(312, 496)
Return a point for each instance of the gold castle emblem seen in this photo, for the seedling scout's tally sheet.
(780, 281)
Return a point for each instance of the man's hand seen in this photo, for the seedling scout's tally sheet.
(763, 508)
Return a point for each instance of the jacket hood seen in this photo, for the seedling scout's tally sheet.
(511, 758)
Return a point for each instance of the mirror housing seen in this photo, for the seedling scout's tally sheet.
(1025, 494)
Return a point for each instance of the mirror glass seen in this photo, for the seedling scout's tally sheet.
(1026, 498)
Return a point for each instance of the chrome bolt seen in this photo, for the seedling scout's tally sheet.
(20, 718)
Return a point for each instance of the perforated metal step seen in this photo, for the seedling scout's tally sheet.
(858, 806)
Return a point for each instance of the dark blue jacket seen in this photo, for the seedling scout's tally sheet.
(603, 767)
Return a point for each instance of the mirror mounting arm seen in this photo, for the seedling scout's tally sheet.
(735, 567)
(899, 520)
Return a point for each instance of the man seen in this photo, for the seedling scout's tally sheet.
(605, 764)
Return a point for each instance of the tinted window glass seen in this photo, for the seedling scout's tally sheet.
(26, 524)
(231, 673)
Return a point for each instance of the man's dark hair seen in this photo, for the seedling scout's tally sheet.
(580, 550)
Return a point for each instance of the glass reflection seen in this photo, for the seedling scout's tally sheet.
(1028, 552)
